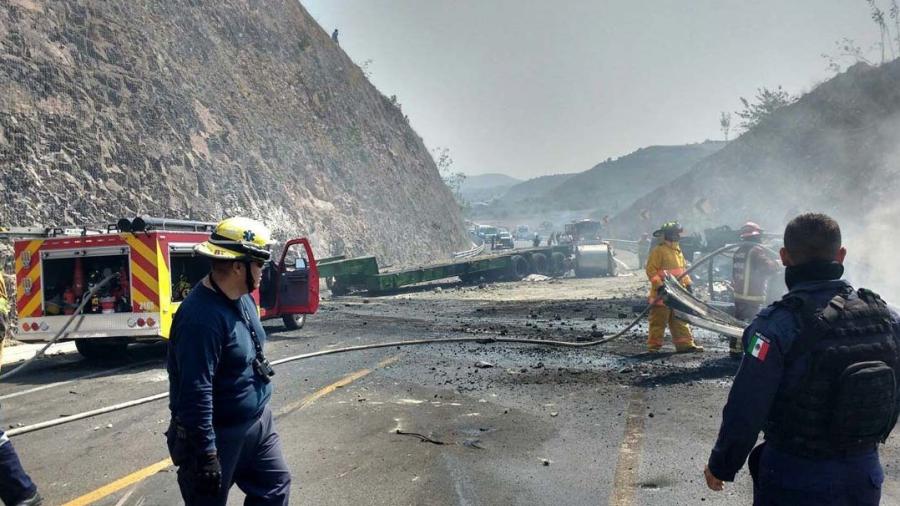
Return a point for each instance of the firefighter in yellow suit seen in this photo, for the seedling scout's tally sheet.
(664, 258)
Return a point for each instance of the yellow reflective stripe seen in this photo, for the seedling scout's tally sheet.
(140, 248)
(33, 276)
(750, 298)
(30, 248)
(138, 272)
(32, 305)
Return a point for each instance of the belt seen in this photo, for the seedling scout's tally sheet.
(826, 453)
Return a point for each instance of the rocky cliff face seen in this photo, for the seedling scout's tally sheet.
(188, 109)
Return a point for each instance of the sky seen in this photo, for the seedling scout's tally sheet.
(527, 88)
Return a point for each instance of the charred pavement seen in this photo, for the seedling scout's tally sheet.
(478, 424)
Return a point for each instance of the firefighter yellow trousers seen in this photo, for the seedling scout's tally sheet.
(660, 317)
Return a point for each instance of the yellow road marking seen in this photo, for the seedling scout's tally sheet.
(142, 474)
(629, 461)
(119, 484)
(346, 380)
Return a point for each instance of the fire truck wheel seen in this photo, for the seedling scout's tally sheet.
(294, 321)
(102, 349)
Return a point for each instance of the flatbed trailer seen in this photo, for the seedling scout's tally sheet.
(344, 275)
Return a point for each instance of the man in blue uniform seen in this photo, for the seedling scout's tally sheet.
(818, 377)
(16, 487)
(219, 379)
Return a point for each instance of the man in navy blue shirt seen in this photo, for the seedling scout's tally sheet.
(219, 379)
(800, 382)
(16, 487)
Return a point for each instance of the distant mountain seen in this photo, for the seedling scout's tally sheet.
(614, 184)
(484, 187)
(602, 190)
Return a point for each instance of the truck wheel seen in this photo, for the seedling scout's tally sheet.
(538, 263)
(337, 289)
(294, 321)
(112, 348)
(517, 268)
(557, 264)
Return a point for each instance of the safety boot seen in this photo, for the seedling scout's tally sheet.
(689, 348)
(653, 349)
(35, 500)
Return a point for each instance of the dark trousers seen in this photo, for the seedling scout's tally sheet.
(251, 458)
(781, 479)
(15, 485)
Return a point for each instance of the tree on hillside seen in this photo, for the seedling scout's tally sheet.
(453, 180)
(725, 123)
(845, 49)
(765, 103)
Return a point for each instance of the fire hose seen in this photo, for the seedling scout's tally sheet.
(84, 300)
(415, 342)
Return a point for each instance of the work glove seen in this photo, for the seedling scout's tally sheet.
(207, 474)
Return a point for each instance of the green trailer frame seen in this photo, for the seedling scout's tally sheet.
(344, 275)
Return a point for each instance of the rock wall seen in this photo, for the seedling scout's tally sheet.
(199, 109)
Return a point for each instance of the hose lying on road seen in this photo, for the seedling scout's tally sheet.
(84, 301)
(415, 342)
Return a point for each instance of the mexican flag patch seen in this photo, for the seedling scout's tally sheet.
(758, 347)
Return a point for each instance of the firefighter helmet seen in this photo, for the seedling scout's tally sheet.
(237, 238)
(669, 226)
(750, 229)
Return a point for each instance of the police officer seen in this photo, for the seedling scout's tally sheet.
(818, 377)
(221, 431)
(751, 269)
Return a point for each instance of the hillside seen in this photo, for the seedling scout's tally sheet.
(481, 187)
(604, 189)
(837, 150)
(207, 109)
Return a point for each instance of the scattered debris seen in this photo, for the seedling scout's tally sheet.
(422, 438)
(481, 364)
(473, 443)
(545, 462)
(535, 277)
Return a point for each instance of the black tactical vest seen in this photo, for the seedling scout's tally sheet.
(846, 401)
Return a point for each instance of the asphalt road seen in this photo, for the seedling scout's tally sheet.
(526, 425)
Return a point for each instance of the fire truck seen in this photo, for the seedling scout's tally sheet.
(153, 267)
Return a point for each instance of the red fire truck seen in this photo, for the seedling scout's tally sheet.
(156, 267)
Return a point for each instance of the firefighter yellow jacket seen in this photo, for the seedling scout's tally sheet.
(665, 257)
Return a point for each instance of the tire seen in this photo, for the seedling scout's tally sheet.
(337, 289)
(107, 349)
(294, 321)
(517, 268)
(557, 264)
(538, 263)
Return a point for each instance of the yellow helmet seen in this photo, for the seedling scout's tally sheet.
(237, 238)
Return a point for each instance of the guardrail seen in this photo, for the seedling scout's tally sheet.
(477, 250)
